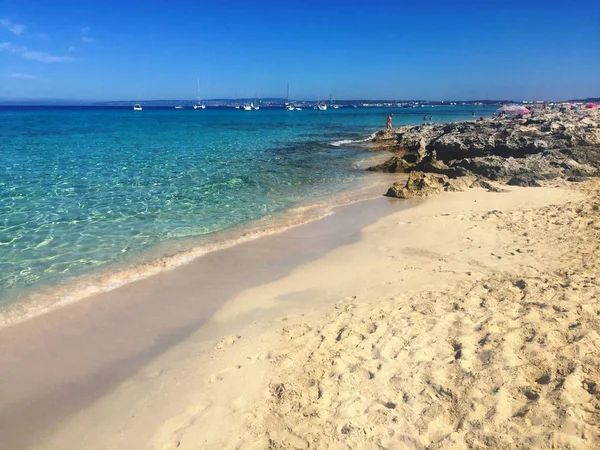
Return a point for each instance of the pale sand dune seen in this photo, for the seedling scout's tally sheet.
(469, 321)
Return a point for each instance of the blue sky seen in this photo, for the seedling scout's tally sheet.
(122, 50)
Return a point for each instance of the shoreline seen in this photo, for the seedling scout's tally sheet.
(168, 256)
(247, 378)
(97, 344)
(274, 341)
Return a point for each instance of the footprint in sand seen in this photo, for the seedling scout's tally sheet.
(171, 433)
(220, 376)
(226, 342)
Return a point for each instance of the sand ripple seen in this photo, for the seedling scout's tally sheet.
(510, 361)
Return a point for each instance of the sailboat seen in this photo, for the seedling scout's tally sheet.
(320, 106)
(287, 100)
(333, 105)
(289, 106)
(199, 105)
(255, 105)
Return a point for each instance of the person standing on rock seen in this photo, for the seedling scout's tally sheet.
(388, 124)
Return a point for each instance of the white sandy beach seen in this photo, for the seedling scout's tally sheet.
(470, 320)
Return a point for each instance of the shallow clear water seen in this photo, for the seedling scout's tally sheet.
(84, 187)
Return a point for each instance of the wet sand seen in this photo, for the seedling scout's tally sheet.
(56, 364)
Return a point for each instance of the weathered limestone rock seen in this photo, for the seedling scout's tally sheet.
(545, 146)
(395, 164)
(523, 180)
(419, 184)
(422, 184)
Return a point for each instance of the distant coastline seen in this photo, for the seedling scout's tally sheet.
(272, 101)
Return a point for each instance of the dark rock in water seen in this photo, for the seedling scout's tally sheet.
(393, 165)
(576, 179)
(523, 180)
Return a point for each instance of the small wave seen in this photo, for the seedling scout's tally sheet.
(353, 141)
(346, 142)
(168, 258)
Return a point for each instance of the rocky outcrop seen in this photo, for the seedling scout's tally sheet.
(542, 166)
(520, 151)
(422, 184)
(393, 165)
(503, 137)
(525, 180)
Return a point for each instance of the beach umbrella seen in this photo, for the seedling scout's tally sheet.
(591, 105)
(514, 109)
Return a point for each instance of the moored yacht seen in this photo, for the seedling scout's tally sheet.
(199, 105)
(137, 107)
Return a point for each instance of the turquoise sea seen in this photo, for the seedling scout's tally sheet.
(82, 189)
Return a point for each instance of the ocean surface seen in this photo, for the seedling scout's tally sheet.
(82, 189)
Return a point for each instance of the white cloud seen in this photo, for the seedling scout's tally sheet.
(45, 57)
(84, 35)
(34, 55)
(22, 76)
(14, 28)
(10, 47)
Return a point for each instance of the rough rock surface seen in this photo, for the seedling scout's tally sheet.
(503, 137)
(523, 180)
(422, 184)
(546, 146)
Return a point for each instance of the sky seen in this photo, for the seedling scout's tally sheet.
(354, 49)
